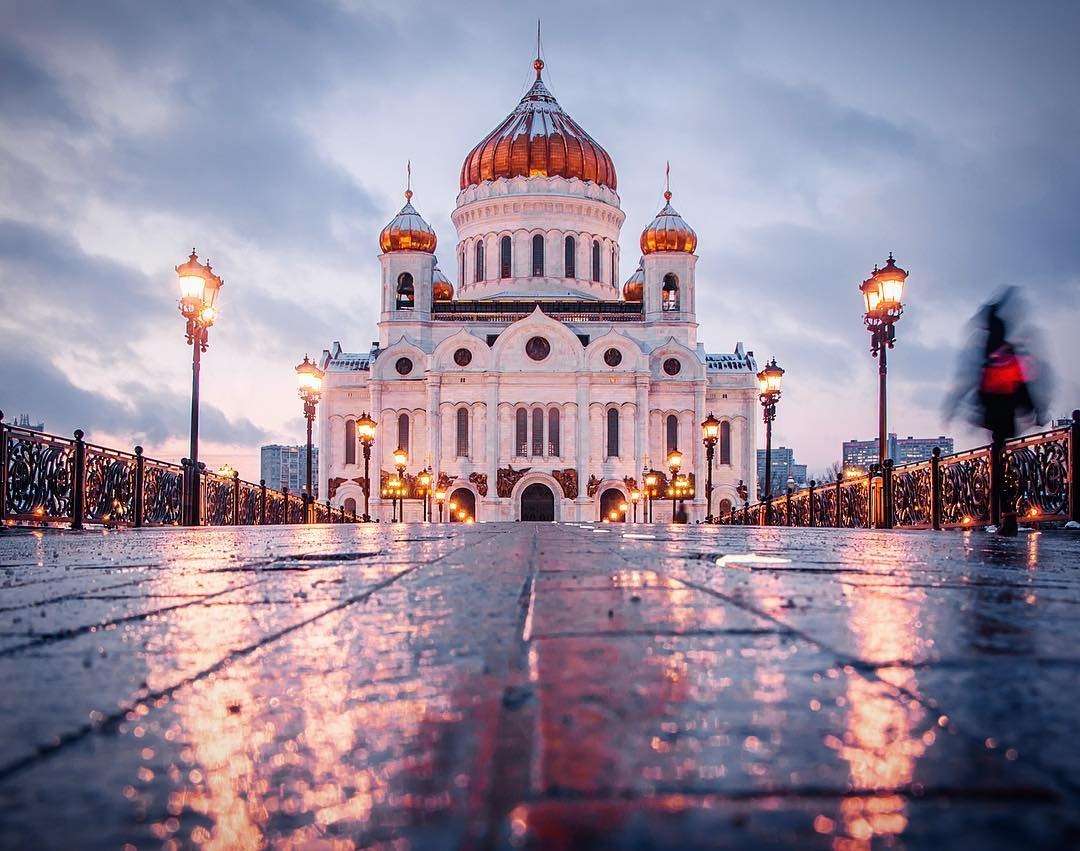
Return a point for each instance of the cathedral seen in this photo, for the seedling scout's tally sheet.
(537, 388)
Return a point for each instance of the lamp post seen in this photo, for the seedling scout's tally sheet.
(651, 481)
(710, 433)
(635, 498)
(199, 288)
(883, 294)
(310, 379)
(365, 431)
(674, 461)
(425, 491)
(769, 393)
(401, 460)
(440, 498)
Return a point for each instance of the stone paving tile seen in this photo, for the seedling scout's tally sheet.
(538, 686)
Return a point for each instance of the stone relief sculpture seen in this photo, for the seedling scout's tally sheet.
(506, 479)
(567, 480)
(480, 480)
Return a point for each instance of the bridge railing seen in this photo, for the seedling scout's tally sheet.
(1039, 478)
(46, 479)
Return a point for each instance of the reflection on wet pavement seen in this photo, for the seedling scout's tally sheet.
(538, 686)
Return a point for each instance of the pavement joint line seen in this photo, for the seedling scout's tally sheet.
(74, 632)
(867, 668)
(109, 721)
(659, 633)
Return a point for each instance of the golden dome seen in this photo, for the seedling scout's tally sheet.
(441, 288)
(407, 231)
(538, 138)
(668, 231)
(634, 288)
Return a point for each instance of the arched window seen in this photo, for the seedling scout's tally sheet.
(350, 441)
(350, 507)
(670, 292)
(538, 256)
(403, 432)
(405, 291)
(613, 265)
(463, 432)
(521, 432)
(596, 261)
(725, 442)
(571, 257)
(613, 433)
(505, 257)
(554, 449)
(478, 268)
(672, 428)
(538, 431)
(461, 266)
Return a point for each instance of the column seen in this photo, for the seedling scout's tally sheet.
(701, 473)
(434, 423)
(641, 425)
(376, 447)
(491, 418)
(583, 448)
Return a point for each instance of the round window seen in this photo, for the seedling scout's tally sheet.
(613, 357)
(672, 366)
(537, 348)
(463, 357)
(403, 366)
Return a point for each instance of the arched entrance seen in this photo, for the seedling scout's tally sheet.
(538, 503)
(464, 502)
(610, 500)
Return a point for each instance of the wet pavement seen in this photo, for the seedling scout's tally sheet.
(538, 686)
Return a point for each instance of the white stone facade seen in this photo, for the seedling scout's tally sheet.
(598, 407)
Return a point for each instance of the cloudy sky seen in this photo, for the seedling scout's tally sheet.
(807, 140)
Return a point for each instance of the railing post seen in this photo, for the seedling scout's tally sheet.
(1074, 467)
(200, 493)
(78, 496)
(329, 512)
(235, 498)
(787, 509)
(811, 508)
(140, 474)
(839, 508)
(767, 519)
(285, 512)
(746, 513)
(886, 492)
(935, 489)
(262, 502)
(3, 471)
(997, 469)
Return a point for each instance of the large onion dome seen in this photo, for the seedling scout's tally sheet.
(538, 138)
(441, 288)
(668, 231)
(407, 231)
(634, 288)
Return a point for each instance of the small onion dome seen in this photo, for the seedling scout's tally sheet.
(668, 231)
(441, 288)
(538, 139)
(408, 231)
(634, 288)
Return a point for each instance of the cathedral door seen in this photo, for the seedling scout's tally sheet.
(538, 503)
(610, 500)
(464, 505)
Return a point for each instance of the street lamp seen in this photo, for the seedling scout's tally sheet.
(199, 288)
(883, 294)
(365, 431)
(769, 393)
(635, 498)
(710, 433)
(310, 379)
(425, 490)
(674, 461)
(651, 481)
(401, 460)
(440, 498)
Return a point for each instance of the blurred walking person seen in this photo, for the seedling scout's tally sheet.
(1003, 385)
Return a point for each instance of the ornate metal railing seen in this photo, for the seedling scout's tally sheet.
(1038, 478)
(52, 480)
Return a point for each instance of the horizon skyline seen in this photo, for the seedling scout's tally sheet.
(796, 181)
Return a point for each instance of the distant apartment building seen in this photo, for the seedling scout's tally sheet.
(903, 450)
(286, 466)
(783, 467)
